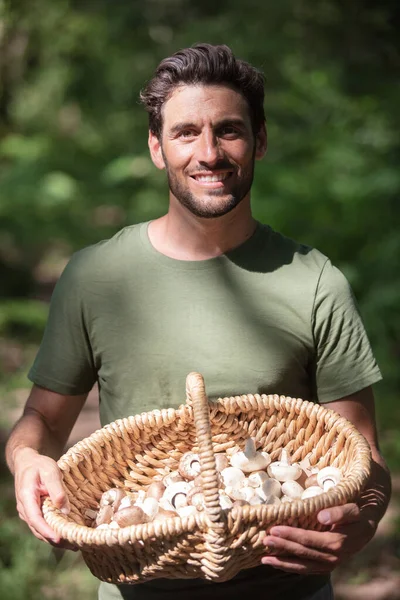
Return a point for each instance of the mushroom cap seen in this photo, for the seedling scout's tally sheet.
(173, 490)
(250, 460)
(328, 477)
(284, 472)
(195, 497)
(155, 490)
(112, 497)
(132, 515)
(310, 492)
(270, 487)
(292, 489)
(311, 480)
(232, 476)
(150, 507)
(257, 478)
(221, 461)
(104, 515)
(189, 466)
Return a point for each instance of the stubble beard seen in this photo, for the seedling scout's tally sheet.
(205, 207)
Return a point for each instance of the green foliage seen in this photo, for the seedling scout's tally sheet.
(28, 567)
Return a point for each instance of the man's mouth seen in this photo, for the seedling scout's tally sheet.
(212, 177)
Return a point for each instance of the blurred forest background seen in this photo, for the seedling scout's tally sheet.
(74, 168)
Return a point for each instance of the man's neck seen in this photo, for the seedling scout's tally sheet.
(183, 236)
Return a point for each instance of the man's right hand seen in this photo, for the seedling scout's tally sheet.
(37, 476)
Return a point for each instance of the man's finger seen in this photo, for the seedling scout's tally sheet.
(293, 565)
(338, 515)
(53, 483)
(34, 518)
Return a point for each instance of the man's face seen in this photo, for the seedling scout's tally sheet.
(208, 148)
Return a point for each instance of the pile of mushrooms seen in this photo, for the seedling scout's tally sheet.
(246, 477)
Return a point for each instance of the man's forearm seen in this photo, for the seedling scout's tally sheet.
(31, 434)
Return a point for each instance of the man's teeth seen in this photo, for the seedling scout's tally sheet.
(211, 178)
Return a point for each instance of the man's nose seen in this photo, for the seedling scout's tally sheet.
(209, 149)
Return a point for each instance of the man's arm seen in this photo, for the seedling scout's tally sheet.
(35, 443)
(352, 526)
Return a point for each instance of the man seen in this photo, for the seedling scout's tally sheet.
(204, 288)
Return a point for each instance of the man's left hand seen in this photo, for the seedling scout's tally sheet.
(310, 552)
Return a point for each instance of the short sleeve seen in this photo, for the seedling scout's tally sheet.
(64, 363)
(345, 363)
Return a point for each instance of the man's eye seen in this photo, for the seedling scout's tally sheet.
(229, 130)
(185, 133)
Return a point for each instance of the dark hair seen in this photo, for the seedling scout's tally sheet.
(203, 64)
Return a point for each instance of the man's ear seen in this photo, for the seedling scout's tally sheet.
(261, 142)
(155, 151)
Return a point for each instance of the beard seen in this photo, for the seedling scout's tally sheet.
(214, 203)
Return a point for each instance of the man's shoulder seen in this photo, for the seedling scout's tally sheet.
(106, 256)
(296, 255)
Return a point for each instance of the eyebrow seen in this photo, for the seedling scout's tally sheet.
(223, 123)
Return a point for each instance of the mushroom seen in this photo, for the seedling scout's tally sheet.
(187, 511)
(195, 497)
(312, 491)
(240, 493)
(328, 477)
(272, 500)
(155, 490)
(232, 476)
(225, 501)
(112, 497)
(283, 470)
(150, 507)
(250, 460)
(172, 477)
(257, 478)
(221, 461)
(174, 496)
(132, 515)
(104, 515)
(164, 514)
(311, 480)
(270, 487)
(292, 489)
(189, 465)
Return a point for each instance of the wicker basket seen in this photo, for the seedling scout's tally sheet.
(215, 544)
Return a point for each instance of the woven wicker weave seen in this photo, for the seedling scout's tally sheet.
(216, 543)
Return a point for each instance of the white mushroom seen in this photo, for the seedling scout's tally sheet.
(283, 470)
(174, 496)
(164, 514)
(270, 487)
(257, 478)
(272, 500)
(292, 489)
(225, 501)
(150, 507)
(312, 491)
(221, 461)
(195, 497)
(250, 460)
(328, 477)
(189, 466)
(187, 511)
(232, 476)
(112, 497)
(172, 477)
(240, 493)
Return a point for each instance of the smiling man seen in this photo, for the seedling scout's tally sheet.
(204, 288)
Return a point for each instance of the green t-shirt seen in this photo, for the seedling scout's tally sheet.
(271, 316)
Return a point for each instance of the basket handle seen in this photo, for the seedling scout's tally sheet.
(196, 395)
